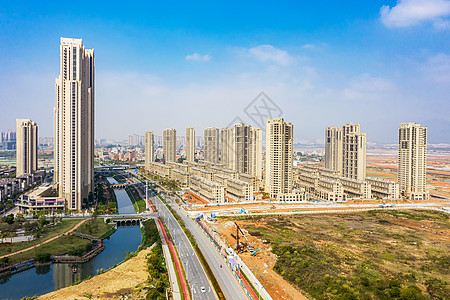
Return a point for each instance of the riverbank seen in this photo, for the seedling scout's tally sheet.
(123, 280)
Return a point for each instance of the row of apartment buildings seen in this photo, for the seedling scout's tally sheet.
(327, 185)
(209, 181)
(345, 155)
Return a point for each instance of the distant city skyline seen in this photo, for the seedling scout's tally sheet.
(323, 64)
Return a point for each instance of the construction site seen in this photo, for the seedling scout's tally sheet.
(407, 249)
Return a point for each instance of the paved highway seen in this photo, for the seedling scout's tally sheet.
(227, 281)
(195, 274)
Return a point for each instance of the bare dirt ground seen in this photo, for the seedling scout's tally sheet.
(410, 246)
(122, 282)
(262, 264)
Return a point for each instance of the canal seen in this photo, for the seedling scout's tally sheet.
(44, 279)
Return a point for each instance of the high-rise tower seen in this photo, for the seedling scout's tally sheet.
(278, 157)
(26, 146)
(412, 150)
(211, 149)
(74, 123)
(333, 149)
(190, 143)
(149, 148)
(170, 145)
(354, 152)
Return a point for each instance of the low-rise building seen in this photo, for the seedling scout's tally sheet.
(181, 177)
(40, 199)
(238, 190)
(384, 189)
(211, 191)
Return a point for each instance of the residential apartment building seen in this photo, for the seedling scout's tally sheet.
(241, 149)
(169, 144)
(74, 123)
(278, 157)
(211, 140)
(333, 149)
(190, 143)
(354, 152)
(149, 148)
(26, 147)
(412, 151)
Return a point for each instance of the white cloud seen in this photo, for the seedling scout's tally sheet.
(438, 68)
(268, 53)
(366, 87)
(413, 12)
(198, 57)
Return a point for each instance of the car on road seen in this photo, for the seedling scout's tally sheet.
(203, 289)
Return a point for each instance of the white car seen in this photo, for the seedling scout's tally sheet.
(203, 289)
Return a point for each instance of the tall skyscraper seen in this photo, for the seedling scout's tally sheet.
(412, 151)
(242, 149)
(278, 157)
(26, 146)
(74, 123)
(333, 149)
(170, 145)
(149, 148)
(354, 152)
(190, 143)
(227, 148)
(211, 145)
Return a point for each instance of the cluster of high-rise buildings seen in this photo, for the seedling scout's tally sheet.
(8, 140)
(232, 168)
(234, 164)
(344, 175)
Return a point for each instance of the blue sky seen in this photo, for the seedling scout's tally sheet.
(200, 63)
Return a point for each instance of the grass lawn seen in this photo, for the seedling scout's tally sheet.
(62, 245)
(382, 254)
(95, 228)
(48, 233)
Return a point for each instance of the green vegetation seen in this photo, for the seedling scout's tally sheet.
(150, 234)
(95, 227)
(106, 198)
(158, 280)
(383, 254)
(138, 202)
(119, 178)
(65, 244)
(37, 228)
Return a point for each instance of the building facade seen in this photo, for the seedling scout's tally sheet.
(170, 145)
(74, 123)
(190, 143)
(412, 151)
(333, 149)
(278, 157)
(26, 147)
(211, 141)
(354, 152)
(149, 148)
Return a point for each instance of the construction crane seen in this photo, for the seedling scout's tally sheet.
(238, 246)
